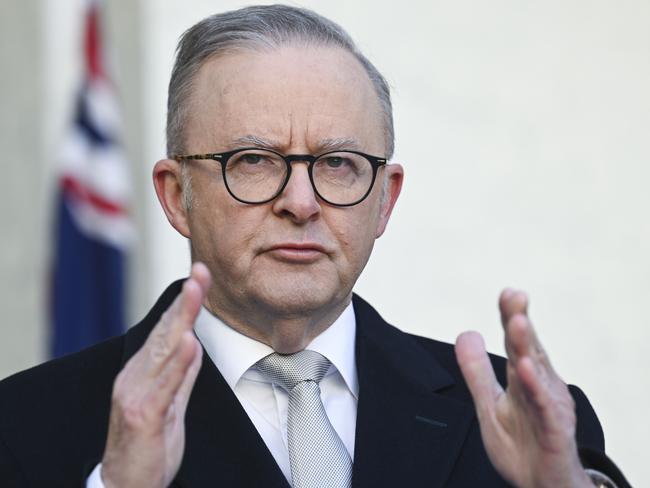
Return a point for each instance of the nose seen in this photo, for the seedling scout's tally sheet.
(298, 200)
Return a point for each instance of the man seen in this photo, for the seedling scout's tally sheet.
(279, 134)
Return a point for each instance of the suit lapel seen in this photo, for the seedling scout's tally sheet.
(221, 441)
(408, 433)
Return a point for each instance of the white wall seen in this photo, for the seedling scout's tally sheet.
(523, 127)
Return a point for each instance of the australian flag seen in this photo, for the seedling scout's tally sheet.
(93, 229)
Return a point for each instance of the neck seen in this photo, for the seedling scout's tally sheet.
(285, 331)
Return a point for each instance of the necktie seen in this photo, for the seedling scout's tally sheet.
(317, 455)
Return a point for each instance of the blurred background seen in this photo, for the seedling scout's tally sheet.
(524, 129)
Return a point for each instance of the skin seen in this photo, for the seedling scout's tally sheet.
(282, 272)
(281, 297)
(528, 429)
(262, 285)
(146, 432)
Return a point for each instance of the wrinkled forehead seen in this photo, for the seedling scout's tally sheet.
(294, 97)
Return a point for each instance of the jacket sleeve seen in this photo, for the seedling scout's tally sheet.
(591, 441)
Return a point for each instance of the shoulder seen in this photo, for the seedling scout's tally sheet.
(445, 353)
(412, 349)
(54, 417)
(421, 353)
(588, 428)
(78, 378)
(72, 374)
(63, 374)
(589, 431)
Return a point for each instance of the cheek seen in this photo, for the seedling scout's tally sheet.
(224, 234)
(355, 233)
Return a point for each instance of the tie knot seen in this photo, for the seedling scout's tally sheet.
(290, 369)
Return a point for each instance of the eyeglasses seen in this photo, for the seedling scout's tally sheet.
(253, 175)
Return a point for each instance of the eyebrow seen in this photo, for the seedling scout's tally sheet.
(324, 145)
(252, 140)
(333, 144)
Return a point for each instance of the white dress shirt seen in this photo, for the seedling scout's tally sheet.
(235, 356)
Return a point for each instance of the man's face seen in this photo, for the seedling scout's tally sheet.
(296, 255)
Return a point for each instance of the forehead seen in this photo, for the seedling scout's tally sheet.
(295, 97)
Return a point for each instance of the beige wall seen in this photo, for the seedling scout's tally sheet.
(523, 127)
(23, 203)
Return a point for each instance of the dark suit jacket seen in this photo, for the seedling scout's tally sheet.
(416, 425)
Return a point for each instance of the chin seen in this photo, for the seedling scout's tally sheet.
(298, 295)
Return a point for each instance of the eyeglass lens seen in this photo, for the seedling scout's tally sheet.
(256, 175)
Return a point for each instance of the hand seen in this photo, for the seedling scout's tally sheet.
(146, 434)
(529, 429)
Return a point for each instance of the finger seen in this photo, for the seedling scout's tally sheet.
(195, 289)
(201, 274)
(179, 318)
(515, 338)
(163, 339)
(185, 389)
(478, 372)
(513, 305)
(171, 378)
(522, 341)
(512, 302)
(187, 305)
(538, 393)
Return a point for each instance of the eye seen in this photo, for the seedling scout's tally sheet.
(335, 161)
(251, 158)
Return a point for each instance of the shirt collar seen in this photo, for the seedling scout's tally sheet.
(336, 343)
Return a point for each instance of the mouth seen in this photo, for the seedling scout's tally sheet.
(297, 253)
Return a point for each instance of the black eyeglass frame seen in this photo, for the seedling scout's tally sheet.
(375, 162)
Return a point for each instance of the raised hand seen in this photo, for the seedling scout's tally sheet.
(146, 435)
(529, 429)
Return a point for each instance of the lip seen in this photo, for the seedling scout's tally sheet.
(293, 252)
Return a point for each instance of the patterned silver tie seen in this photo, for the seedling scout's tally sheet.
(317, 455)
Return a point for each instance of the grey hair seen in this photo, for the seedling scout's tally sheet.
(186, 187)
(257, 28)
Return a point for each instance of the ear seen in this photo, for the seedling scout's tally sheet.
(395, 176)
(169, 189)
